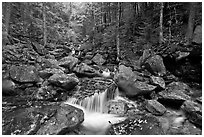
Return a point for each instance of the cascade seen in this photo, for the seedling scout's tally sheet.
(96, 121)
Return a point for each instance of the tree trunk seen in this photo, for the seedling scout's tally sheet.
(7, 16)
(161, 24)
(191, 21)
(93, 29)
(44, 25)
(118, 33)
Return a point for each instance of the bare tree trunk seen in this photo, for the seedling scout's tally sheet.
(118, 33)
(191, 22)
(7, 16)
(93, 29)
(161, 23)
(44, 25)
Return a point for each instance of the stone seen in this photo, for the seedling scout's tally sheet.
(193, 112)
(197, 36)
(24, 74)
(117, 107)
(155, 65)
(146, 54)
(159, 81)
(39, 48)
(98, 59)
(140, 125)
(131, 89)
(155, 107)
(8, 87)
(66, 119)
(68, 62)
(65, 81)
(84, 70)
(46, 73)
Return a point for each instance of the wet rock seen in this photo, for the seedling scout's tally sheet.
(117, 107)
(65, 120)
(131, 89)
(8, 87)
(193, 112)
(68, 62)
(83, 70)
(175, 93)
(26, 121)
(155, 65)
(46, 73)
(155, 107)
(159, 81)
(197, 36)
(144, 125)
(65, 81)
(98, 59)
(24, 74)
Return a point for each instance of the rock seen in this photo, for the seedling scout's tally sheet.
(68, 62)
(26, 121)
(8, 87)
(117, 107)
(65, 81)
(175, 93)
(50, 63)
(130, 88)
(197, 36)
(147, 53)
(155, 65)
(39, 48)
(65, 120)
(193, 112)
(155, 107)
(46, 73)
(24, 74)
(144, 125)
(87, 61)
(182, 55)
(98, 59)
(128, 74)
(159, 81)
(83, 70)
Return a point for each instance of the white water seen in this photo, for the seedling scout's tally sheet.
(95, 121)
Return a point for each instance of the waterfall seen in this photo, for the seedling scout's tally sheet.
(96, 121)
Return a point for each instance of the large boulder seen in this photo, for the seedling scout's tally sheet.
(155, 107)
(65, 81)
(66, 119)
(84, 70)
(155, 65)
(46, 73)
(197, 36)
(68, 62)
(144, 125)
(8, 87)
(193, 112)
(26, 121)
(131, 88)
(24, 74)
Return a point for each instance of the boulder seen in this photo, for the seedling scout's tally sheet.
(193, 112)
(24, 74)
(84, 70)
(197, 35)
(46, 73)
(98, 59)
(8, 87)
(66, 119)
(141, 125)
(159, 81)
(155, 107)
(117, 107)
(155, 65)
(65, 81)
(131, 89)
(68, 62)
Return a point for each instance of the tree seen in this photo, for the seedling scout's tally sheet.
(44, 25)
(161, 24)
(7, 16)
(118, 32)
(191, 22)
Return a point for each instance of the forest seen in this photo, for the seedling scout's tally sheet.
(102, 68)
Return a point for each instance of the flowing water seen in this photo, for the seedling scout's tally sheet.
(96, 121)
